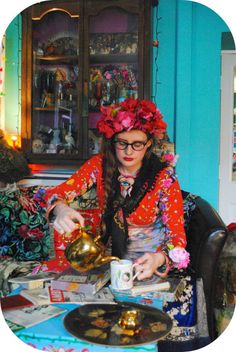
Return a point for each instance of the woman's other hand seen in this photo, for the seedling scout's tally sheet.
(148, 264)
(67, 219)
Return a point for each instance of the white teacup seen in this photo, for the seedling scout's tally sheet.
(122, 274)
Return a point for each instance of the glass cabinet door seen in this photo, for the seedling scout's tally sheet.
(113, 63)
(77, 56)
(55, 121)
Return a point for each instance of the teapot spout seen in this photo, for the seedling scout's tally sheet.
(107, 259)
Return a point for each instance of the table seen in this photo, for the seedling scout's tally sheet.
(51, 336)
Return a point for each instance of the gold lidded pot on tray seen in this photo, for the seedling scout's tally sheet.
(85, 252)
(131, 320)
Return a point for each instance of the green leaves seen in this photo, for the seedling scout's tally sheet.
(25, 231)
(24, 217)
(5, 212)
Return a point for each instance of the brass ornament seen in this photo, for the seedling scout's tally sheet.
(130, 320)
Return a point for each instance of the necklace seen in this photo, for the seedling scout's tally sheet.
(126, 183)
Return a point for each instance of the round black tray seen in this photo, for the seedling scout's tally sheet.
(98, 324)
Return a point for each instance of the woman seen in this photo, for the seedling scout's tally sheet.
(126, 192)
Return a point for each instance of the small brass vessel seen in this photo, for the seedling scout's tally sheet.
(85, 252)
(130, 320)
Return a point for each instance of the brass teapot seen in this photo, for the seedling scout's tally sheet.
(85, 252)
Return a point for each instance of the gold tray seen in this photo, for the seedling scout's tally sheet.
(99, 324)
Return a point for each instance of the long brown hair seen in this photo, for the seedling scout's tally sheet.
(110, 166)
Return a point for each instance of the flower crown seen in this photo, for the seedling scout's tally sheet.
(131, 114)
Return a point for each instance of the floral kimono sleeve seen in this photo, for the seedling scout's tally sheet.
(171, 205)
(173, 215)
(77, 185)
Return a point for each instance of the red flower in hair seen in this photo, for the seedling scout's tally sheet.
(148, 106)
(131, 114)
(130, 104)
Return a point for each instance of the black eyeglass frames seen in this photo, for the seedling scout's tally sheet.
(137, 145)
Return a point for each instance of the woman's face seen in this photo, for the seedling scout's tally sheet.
(131, 156)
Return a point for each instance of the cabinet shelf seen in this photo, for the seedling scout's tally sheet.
(48, 108)
(56, 59)
(113, 58)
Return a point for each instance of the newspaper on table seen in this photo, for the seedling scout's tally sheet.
(27, 317)
(50, 295)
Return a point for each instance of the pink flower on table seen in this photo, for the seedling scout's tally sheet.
(180, 257)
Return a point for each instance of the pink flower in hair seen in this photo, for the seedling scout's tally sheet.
(125, 119)
(169, 157)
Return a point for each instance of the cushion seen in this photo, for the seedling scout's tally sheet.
(24, 231)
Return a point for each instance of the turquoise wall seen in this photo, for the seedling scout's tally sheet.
(188, 90)
(13, 77)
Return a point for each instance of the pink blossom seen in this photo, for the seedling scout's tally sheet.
(169, 157)
(107, 75)
(125, 119)
(147, 115)
(180, 257)
(164, 219)
(125, 74)
(167, 183)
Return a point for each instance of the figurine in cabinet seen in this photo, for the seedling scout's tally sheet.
(134, 48)
(45, 133)
(53, 146)
(38, 146)
(70, 142)
(56, 137)
(128, 50)
(40, 49)
(50, 49)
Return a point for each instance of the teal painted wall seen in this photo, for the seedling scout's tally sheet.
(13, 77)
(188, 90)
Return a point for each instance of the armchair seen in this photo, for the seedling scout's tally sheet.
(206, 235)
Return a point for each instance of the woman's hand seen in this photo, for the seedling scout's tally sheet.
(148, 264)
(66, 219)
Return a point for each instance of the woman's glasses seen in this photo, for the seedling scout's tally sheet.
(122, 145)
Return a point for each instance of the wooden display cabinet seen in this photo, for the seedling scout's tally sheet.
(76, 56)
